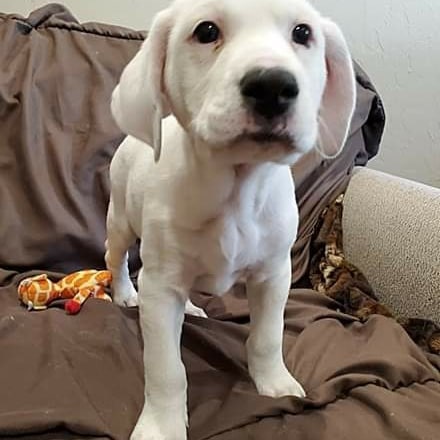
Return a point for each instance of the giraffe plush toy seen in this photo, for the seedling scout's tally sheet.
(39, 291)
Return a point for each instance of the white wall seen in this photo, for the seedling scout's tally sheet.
(398, 44)
(396, 41)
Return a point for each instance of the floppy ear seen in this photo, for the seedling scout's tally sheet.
(339, 98)
(139, 101)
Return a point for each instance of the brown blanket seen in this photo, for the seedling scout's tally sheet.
(64, 377)
(83, 375)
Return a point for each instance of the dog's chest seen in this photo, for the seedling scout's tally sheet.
(232, 246)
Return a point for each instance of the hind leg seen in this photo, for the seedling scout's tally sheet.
(119, 238)
(191, 309)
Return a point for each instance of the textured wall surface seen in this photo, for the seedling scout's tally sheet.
(396, 41)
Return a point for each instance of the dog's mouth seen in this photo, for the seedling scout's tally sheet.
(265, 136)
(268, 137)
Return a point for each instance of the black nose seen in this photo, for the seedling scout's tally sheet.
(269, 92)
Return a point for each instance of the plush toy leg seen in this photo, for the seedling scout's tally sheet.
(100, 294)
(73, 306)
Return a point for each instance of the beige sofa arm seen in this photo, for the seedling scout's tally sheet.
(392, 233)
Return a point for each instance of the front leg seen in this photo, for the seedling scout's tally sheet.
(161, 309)
(267, 301)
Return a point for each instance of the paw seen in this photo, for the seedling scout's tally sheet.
(159, 425)
(191, 309)
(278, 383)
(146, 431)
(125, 295)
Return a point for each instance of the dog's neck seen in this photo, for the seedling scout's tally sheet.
(213, 179)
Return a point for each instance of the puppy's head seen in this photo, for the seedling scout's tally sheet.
(264, 79)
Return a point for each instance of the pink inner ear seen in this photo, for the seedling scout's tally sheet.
(338, 99)
(332, 80)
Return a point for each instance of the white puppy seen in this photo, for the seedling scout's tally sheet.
(240, 90)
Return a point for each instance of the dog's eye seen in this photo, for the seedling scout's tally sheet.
(302, 34)
(207, 32)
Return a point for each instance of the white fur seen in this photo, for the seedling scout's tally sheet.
(217, 207)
